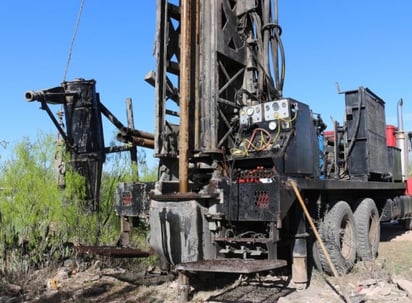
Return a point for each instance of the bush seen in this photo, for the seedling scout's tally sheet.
(30, 204)
(37, 219)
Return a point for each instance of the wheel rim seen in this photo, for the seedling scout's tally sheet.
(346, 238)
(373, 230)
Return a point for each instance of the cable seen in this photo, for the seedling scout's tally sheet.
(69, 56)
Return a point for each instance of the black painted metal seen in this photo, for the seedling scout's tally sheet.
(132, 199)
(84, 131)
(83, 134)
(366, 135)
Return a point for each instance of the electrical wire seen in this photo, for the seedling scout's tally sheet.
(249, 145)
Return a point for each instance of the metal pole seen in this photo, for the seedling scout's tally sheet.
(130, 124)
(402, 143)
(196, 136)
(125, 226)
(184, 93)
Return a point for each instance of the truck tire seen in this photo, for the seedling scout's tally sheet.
(368, 229)
(407, 223)
(338, 232)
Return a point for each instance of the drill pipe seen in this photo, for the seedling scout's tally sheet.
(127, 131)
(54, 95)
(135, 140)
(184, 92)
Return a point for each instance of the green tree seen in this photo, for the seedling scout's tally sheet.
(30, 202)
(37, 218)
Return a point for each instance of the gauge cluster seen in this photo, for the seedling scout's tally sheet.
(273, 112)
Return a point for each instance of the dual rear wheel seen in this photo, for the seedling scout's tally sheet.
(348, 236)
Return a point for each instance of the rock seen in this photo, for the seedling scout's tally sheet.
(404, 285)
(69, 263)
(173, 285)
(112, 271)
(150, 268)
(11, 300)
(369, 292)
(386, 291)
(97, 266)
(13, 289)
(63, 273)
(356, 298)
(282, 300)
(86, 277)
(368, 282)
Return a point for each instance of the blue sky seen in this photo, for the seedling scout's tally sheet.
(355, 43)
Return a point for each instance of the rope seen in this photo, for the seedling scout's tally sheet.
(73, 39)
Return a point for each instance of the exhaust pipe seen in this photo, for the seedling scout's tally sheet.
(402, 143)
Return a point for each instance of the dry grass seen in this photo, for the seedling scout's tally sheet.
(396, 257)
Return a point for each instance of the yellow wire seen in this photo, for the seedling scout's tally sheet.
(277, 133)
(263, 143)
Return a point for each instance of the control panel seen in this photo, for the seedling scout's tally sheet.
(251, 114)
(269, 111)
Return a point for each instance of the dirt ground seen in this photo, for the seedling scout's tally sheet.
(387, 279)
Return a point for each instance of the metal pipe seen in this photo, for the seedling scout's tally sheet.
(31, 96)
(143, 142)
(184, 93)
(135, 140)
(196, 136)
(116, 149)
(133, 154)
(54, 95)
(128, 131)
(400, 115)
(402, 143)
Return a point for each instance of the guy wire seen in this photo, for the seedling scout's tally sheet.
(73, 39)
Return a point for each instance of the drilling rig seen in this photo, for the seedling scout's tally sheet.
(250, 180)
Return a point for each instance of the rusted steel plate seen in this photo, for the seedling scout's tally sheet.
(175, 197)
(237, 266)
(114, 251)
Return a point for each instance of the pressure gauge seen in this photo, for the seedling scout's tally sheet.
(272, 125)
(250, 111)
